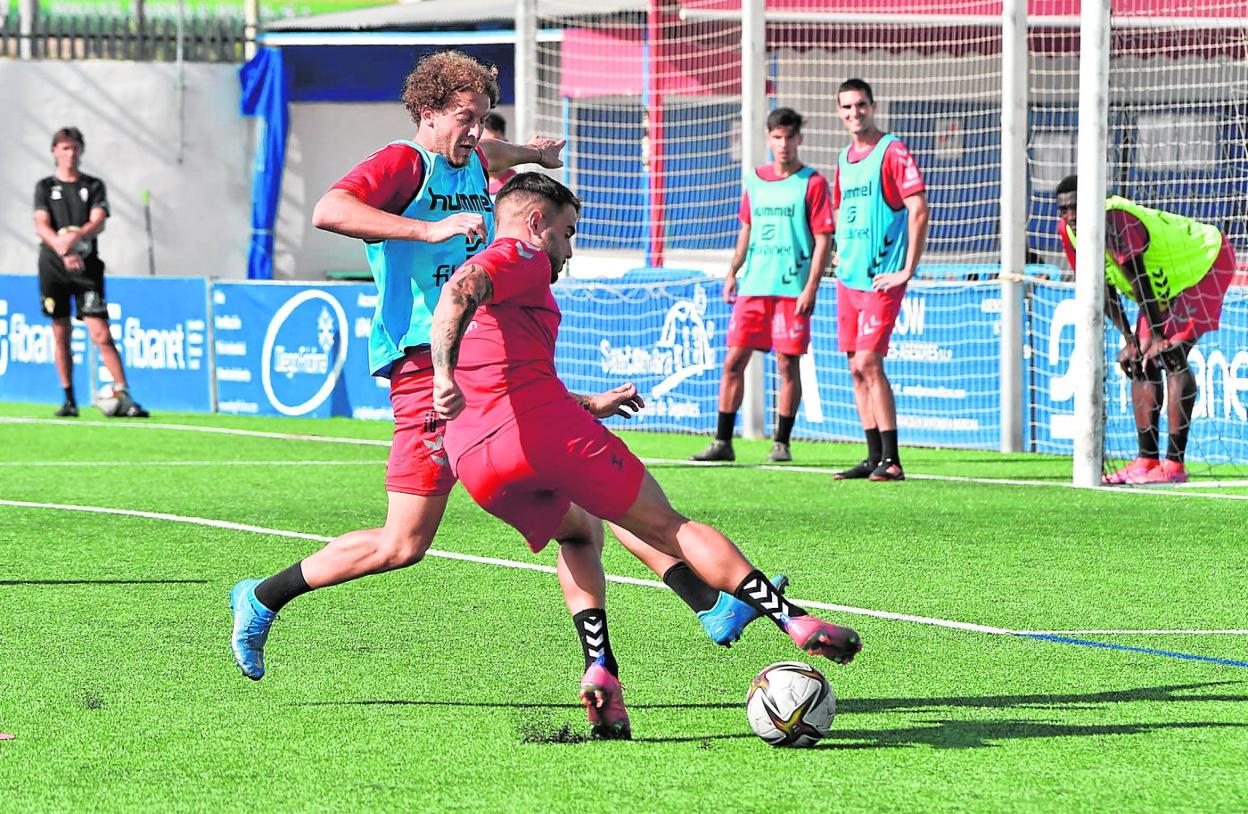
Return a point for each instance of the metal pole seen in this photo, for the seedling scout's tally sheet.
(526, 71)
(1013, 218)
(754, 109)
(1088, 364)
(251, 21)
(181, 80)
(654, 54)
(28, 11)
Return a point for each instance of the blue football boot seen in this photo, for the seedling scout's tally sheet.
(251, 628)
(725, 622)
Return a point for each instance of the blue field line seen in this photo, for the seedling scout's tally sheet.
(1145, 650)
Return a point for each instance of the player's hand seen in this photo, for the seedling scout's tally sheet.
(548, 151)
(620, 401)
(806, 303)
(448, 399)
(63, 243)
(1129, 359)
(73, 262)
(730, 288)
(468, 224)
(884, 282)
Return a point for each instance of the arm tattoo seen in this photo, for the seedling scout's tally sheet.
(459, 301)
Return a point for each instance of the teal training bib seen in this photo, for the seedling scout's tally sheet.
(778, 261)
(410, 273)
(871, 237)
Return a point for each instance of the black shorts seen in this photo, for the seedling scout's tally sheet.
(58, 287)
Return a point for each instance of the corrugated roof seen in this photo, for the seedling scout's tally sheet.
(414, 16)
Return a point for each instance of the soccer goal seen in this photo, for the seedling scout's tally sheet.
(998, 346)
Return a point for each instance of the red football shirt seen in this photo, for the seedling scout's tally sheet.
(507, 357)
(389, 178)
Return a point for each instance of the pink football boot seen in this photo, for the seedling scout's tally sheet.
(820, 638)
(603, 699)
(1166, 472)
(1132, 472)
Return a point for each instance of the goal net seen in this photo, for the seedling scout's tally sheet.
(651, 106)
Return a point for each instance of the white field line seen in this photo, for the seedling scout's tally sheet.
(1128, 632)
(546, 569)
(372, 442)
(131, 424)
(76, 464)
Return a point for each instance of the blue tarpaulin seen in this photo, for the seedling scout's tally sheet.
(266, 89)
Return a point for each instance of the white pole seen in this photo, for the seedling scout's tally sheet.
(753, 153)
(1013, 217)
(526, 71)
(1088, 364)
(181, 80)
(251, 21)
(27, 11)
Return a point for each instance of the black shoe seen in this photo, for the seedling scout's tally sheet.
(888, 470)
(129, 408)
(716, 451)
(68, 410)
(858, 471)
(780, 453)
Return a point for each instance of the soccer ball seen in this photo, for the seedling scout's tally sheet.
(790, 704)
(106, 399)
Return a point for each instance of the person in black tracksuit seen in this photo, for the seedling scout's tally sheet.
(70, 210)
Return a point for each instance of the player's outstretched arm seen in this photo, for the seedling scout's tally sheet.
(503, 155)
(470, 288)
(341, 212)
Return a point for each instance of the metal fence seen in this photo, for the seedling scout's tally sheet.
(125, 37)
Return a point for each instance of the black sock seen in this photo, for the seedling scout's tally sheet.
(1177, 445)
(1147, 440)
(875, 446)
(69, 396)
(888, 438)
(727, 421)
(758, 592)
(282, 587)
(784, 428)
(689, 586)
(591, 627)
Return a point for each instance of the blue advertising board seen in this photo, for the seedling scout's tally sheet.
(27, 347)
(942, 361)
(296, 350)
(160, 328)
(665, 336)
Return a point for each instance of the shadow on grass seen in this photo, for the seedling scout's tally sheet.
(937, 733)
(951, 734)
(104, 582)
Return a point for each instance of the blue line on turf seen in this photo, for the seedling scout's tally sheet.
(1146, 650)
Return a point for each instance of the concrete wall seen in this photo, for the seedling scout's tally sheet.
(129, 114)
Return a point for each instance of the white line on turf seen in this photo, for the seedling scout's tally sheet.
(450, 555)
(329, 439)
(151, 425)
(546, 569)
(1128, 632)
(76, 464)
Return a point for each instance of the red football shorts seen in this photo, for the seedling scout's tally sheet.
(1199, 307)
(865, 319)
(763, 323)
(418, 464)
(530, 472)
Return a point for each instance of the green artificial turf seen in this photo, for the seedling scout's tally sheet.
(451, 686)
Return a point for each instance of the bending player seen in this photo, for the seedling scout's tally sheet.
(396, 200)
(1177, 270)
(535, 455)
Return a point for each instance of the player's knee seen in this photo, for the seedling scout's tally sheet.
(401, 550)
